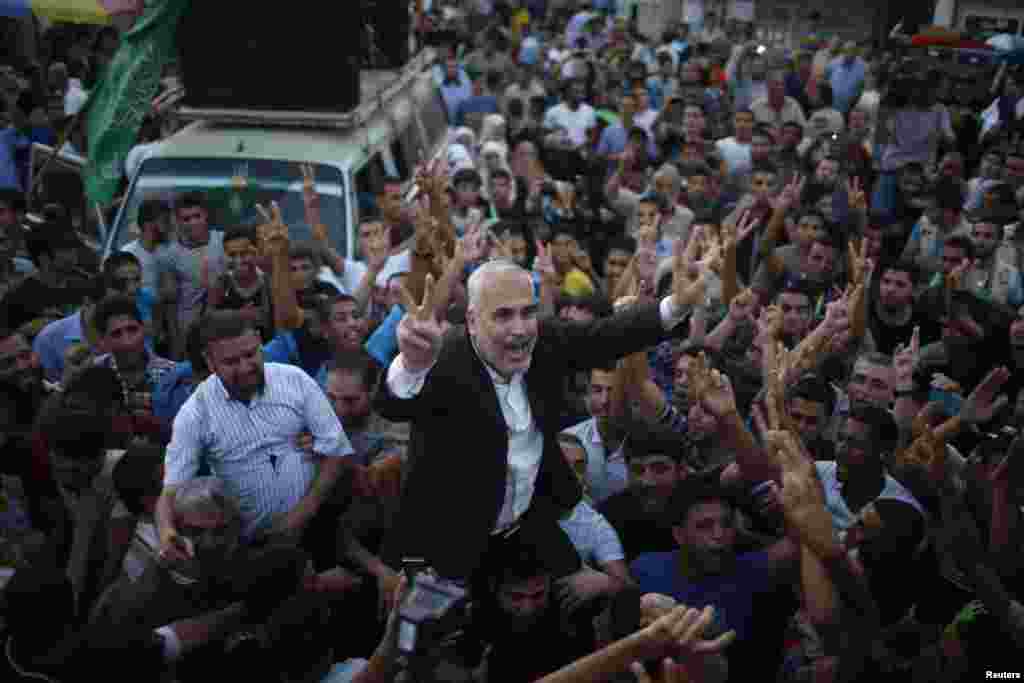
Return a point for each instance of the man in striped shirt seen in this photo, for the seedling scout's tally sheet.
(243, 422)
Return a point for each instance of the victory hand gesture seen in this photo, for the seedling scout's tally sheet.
(419, 333)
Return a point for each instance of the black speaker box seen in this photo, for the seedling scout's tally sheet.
(249, 55)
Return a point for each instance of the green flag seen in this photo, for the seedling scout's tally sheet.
(124, 96)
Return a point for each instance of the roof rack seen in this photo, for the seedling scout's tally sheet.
(377, 87)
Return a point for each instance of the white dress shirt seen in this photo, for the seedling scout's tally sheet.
(526, 442)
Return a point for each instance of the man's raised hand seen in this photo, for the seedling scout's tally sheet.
(689, 283)
(273, 233)
(420, 333)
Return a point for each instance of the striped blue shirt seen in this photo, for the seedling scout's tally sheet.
(252, 447)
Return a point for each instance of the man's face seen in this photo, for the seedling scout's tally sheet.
(761, 148)
(985, 237)
(517, 247)
(394, 291)
(873, 236)
(467, 194)
(576, 94)
(350, 399)
(696, 186)
(194, 222)
(827, 172)
(125, 336)
(952, 256)
(762, 185)
(681, 374)
(640, 99)
(896, 290)
(854, 447)
(576, 457)
(709, 534)
(809, 416)
(368, 232)
(344, 328)
(127, 280)
(653, 478)
(523, 602)
(303, 272)
(952, 167)
(647, 213)
(159, 229)
(702, 423)
(871, 383)
(19, 366)
(451, 66)
(562, 248)
(911, 182)
(503, 322)
(858, 124)
(1014, 170)
(615, 264)
(502, 190)
(238, 362)
(809, 229)
(821, 261)
(240, 257)
(991, 167)
(796, 314)
(8, 216)
(776, 91)
(744, 126)
(600, 393)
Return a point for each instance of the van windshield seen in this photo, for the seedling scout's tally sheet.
(233, 188)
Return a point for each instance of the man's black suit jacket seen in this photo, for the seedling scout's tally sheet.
(458, 451)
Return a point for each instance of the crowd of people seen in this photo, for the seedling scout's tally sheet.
(690, 359)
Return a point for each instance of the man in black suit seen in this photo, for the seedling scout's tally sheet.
(484, 403)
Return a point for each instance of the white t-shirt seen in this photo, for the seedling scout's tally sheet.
(592, 535)
(576, 123)
(735, 154)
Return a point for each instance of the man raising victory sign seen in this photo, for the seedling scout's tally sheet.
(485, 402)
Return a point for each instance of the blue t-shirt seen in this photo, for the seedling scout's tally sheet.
(732, 595)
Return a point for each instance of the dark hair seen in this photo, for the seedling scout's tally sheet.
(691, 492)
(962, 243)
(115, 307)
(644, 441)
(357, 363)
(794, 124)
(949, 195)
(879, 421)
(139, 475)
(796, 287)
(191, 200)
(814, 389)
(766, 167)
(151, 210)
(594, 303)
(220, 325)
(764, 131)
(501, 173)
(305, 250)
(117, 260)
(240, 232)
(825, 94)
(694, 168)
(622, 243)
(903, 266)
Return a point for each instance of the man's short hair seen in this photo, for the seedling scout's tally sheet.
(240, 232)
(117, 260)
(153, 210)
(763, 131)
(949, 195)
(794, 124)
(116, 306)
(795, 287)
(812, 388)
(690, 169)
(645, 441)
(903, 266)
(875, 358)
(191, 200)
(765, 167)
(359, 364)
(595, 304)
(691, 492)
(622, 243)
(306, 250)
(220, 325)
(880, 423)
(501, 173)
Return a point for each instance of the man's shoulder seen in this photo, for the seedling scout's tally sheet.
(57, 328)
(653, 566)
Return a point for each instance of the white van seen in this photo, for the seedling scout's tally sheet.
(238, 158)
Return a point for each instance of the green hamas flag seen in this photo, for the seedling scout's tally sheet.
(124, 95)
